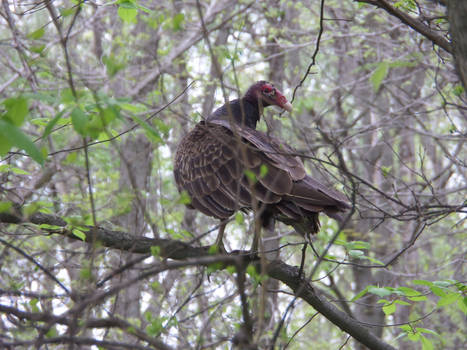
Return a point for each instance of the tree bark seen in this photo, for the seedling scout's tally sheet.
(135, 169)
(200, 256)
(457, 16)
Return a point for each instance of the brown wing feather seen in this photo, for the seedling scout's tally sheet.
(210, 165)
(208, 168)
(278, 153)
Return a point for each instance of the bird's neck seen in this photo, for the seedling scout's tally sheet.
(250, 113)
(242, 111)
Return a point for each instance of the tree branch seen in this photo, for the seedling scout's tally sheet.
(114, 322)
(177, 250)
(416, 25)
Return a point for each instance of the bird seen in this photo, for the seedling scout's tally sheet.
(225, 165)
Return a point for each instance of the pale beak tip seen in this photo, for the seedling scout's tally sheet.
(288, 107)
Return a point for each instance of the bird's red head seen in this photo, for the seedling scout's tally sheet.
(268, 95)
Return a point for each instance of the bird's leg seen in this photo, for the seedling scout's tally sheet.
(219, 244)
(255, 245)
(270, 242)
(302, 263)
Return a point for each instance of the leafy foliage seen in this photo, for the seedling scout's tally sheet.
(380, 117)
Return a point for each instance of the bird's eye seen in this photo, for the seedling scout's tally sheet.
(268, 90)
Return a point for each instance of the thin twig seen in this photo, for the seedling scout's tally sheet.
(315, 53)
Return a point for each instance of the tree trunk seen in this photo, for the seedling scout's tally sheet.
(457, 16)
(135, 169)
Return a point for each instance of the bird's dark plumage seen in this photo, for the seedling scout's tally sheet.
(216, 161)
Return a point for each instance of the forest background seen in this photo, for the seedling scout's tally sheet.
(97, 249)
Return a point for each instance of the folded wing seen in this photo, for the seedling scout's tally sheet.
(215, 165)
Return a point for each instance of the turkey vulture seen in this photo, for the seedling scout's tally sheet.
(225, 165)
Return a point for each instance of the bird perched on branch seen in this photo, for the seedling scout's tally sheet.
(225, 165)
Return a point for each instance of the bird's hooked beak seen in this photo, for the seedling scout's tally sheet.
(283, 103)
(287, 106)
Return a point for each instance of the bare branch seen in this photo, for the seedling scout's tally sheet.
(200, 256)
(418, 26)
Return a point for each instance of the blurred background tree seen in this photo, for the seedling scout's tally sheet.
(95, 96)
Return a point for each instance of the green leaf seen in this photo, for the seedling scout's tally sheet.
(155, 328)
(444, 284)
(409, 291)
(156, 251)
(263, 171)
(5, 145)
(177, 21)
(257, 277)
(50, 227)
(79, 120)
(67, 96)
(85, 273)
(5, 206)
(18, 171)
(462, 305)
(356, 254)
(71, 158)
(165, 128)
(411, 294)
(144, 9)
(67, 11)
(251, 270)
(239, 218)
(17, 109)
(151, 132)
(448, 299)
(357, 245)
(112, 64)
(128, 4)
(458, 90)
(127, 11)
(213, 250)
(37, 49)
(389, 309)
(422, 282)
(214, 266)
(375, 261)
(414, 336)
(107, 115)
(386, 170)
(156, 286)
(51, 333)
(184, 198)
(438, 291)
(251, 176)
(37, 34)
(17, 138)
(359, 295)
(133, 108)
(33, 303)
(80, 234)
(427, 331)
(406, 328)
(381, 292)
(406, 5)
(51, 124)
(426, 343)
(379, 74)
